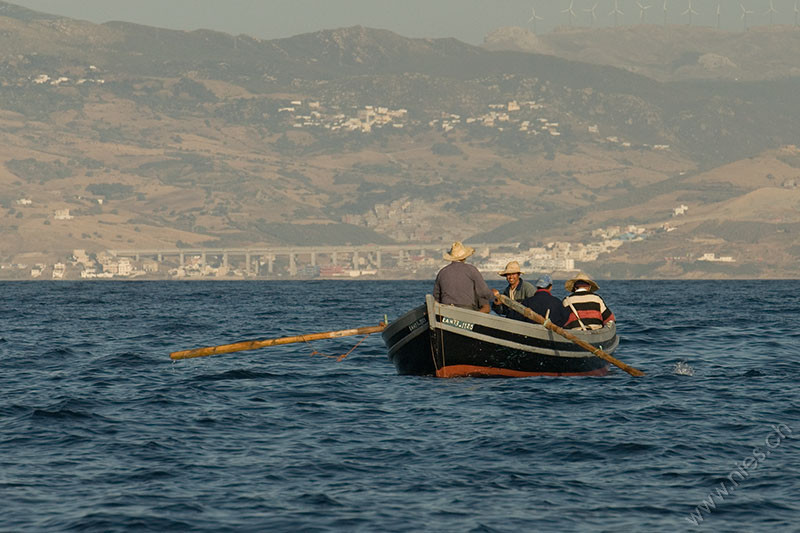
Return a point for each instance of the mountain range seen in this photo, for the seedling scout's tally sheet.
(154, 138)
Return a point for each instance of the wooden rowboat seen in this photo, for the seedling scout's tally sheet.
(448, 341)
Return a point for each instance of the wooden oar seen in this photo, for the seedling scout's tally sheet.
(529, 313)
(253, 345)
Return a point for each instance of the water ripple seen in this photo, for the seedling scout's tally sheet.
(278, 440)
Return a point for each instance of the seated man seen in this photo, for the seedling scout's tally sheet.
(587, 310)
(460, 283)
(517, 289)
(544, 303)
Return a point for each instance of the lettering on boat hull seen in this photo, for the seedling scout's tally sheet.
(419, 322)
(457, 323)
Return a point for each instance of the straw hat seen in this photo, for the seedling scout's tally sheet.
(570, 283)
(511, 268)
(458, 252)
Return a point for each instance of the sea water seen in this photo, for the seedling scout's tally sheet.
(101, 431)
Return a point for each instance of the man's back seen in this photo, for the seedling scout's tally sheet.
(547, 305)
(461, 284)
(587, 310)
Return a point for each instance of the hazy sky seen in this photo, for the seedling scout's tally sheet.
(467, 20)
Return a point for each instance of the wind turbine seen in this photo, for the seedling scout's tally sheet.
(771, 11)
(796, 11)
(617, 11)
(642, 11)
(719, 12)
(745, 12)
(690, 11)
(570, 12)
(593, 12)
(534, 18)
(665, 12)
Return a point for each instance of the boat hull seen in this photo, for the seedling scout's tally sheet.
(409, 342)
(460, 342)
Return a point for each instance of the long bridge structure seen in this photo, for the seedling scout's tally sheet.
(355, 257)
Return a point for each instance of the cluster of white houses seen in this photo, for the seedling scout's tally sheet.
(313, 115)
(502, 117)
(58, 80)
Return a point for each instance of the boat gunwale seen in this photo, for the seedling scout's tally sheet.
(516, 327)
(560, 351)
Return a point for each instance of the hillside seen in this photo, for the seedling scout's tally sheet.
(667, 53)
(157, 138)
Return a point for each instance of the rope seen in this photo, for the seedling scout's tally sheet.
(338, 357)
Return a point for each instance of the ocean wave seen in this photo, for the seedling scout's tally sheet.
(280, 440)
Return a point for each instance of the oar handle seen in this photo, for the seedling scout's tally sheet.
(530, 313)
(254, 345)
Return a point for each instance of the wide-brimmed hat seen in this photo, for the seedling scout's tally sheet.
(570, 283)
(458, 252)
(511, 268)
(544, 281)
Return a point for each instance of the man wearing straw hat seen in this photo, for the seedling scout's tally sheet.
(460, 283)
(587, 309)
(517, 289)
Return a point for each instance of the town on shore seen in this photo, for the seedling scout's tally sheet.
(395, 261)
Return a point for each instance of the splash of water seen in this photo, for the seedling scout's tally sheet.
(682, 368)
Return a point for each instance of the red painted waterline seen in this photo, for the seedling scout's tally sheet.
(464, 371)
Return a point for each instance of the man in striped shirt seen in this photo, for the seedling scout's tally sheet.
(587, 310)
